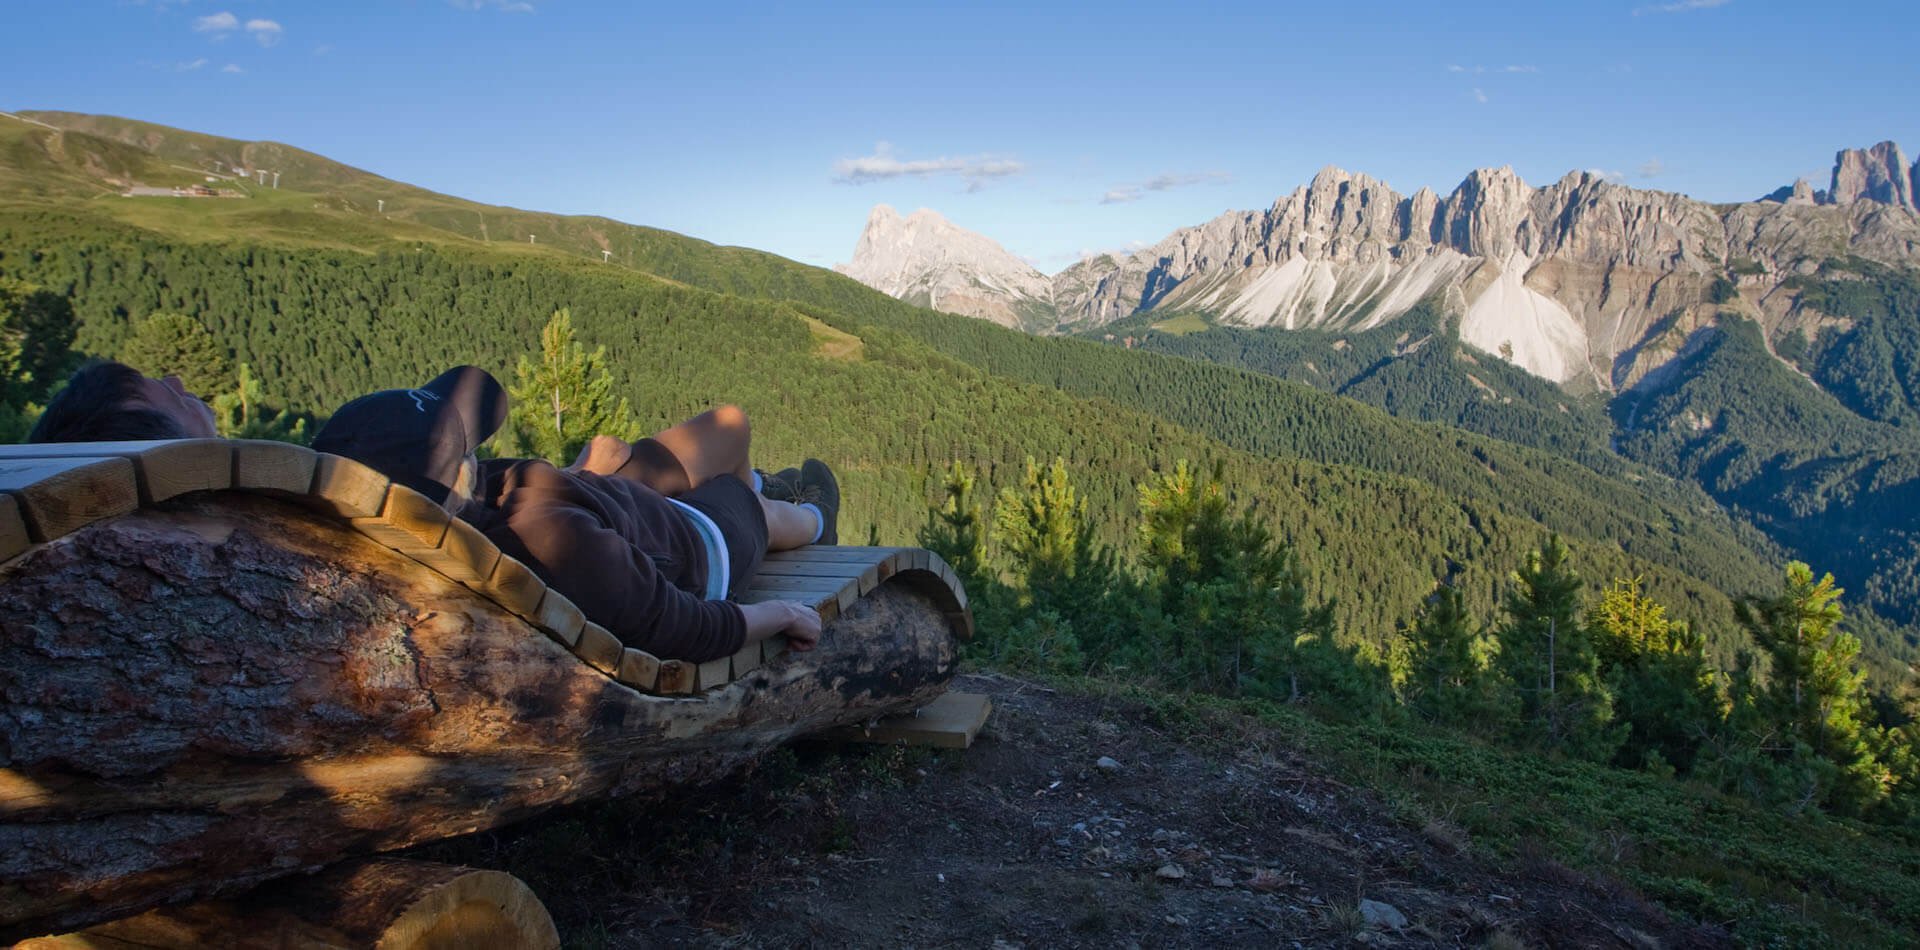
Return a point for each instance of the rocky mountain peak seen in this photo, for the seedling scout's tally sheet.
(1878, 174)
(1570, 281)
(926, 259)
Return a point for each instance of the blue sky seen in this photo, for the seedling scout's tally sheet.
(1055, 130)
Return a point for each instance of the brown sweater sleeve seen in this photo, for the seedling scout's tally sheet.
(604, 546)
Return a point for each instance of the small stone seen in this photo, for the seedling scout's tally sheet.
(1221, 880)
(1107, 764)
(1170, 872)
(1381, 914)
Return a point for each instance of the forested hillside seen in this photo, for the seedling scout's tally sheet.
(323, 300)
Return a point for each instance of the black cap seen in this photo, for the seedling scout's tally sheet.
(417, 437)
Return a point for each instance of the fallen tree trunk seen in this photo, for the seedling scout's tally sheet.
(378, 904)
(224, 689)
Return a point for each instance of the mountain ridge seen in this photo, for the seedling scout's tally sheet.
(1568, 281)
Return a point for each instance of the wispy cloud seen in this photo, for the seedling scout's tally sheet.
(190, 65)
(1681, 6)
(1480, 70)
(233, 68)
(1608, 175)
(504, 6)
(1651, 168)
(217, 23)
(1479, 95)
(267, 32)
(1134, 192)
(883, 165)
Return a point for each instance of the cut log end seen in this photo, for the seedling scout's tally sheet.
(382, 904)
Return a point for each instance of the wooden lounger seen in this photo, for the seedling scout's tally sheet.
(224, 662)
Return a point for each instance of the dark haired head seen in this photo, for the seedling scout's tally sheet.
(103, 403)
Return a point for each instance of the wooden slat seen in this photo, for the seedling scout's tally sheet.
(13, 529)
(599, 647)
(748, 659)
(560, 618)
(464, 554)
(676, 678)
(639, 669)
(60, 495)
(164, 468)
(834, 553)
(348, 488)
(409, 522)
(766, 582)
(273, 466)
(713, 673)
(950, 722)
(814, 569)
(516, 587)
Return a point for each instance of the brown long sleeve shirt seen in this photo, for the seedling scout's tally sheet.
(619, 550)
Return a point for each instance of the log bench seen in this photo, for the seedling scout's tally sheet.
(224, 662)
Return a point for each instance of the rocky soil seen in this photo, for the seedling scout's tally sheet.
(1075, 821)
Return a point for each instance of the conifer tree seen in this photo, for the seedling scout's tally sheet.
(36, 330)
(956, 527)
(1550, 661)
(1665, 691)
(174, 344)
(566, 398)
(1815, 694)
(1450, 675)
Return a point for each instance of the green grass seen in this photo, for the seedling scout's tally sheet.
(1183, 324)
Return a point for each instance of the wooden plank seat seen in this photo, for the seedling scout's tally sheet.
(47, 491)
(224, 662)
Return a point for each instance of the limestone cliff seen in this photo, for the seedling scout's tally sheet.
(1580, 281)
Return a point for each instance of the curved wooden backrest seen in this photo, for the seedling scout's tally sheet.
(48, 491)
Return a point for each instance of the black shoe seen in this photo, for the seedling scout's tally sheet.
(818, 487)
(783, 485)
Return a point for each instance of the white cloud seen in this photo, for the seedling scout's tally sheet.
(266, 31)
(1479, 95)
(1608, 175)
(219, 23)
(882, 165)
(1651, 168)
(233, 68)
(1134, 192)
(504, 6)
(1681, 6)
(191, 66)
(1480, 70)
(323, 49)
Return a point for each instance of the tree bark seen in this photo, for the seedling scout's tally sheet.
(375, 904)
(224, 689)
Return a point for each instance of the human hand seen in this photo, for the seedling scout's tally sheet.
(803, 630)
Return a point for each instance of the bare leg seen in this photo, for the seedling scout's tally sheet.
(712, 443)
(708, 445)
(789, 526)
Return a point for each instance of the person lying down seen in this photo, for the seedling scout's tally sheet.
(651, 539)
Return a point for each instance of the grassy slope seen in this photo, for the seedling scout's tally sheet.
(1477, 495)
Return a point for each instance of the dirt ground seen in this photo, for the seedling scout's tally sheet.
(1030, 839)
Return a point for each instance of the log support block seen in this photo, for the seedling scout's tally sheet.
(58, 496)
(949, 722)
(273, 466)
(676, 678)
(560, 618)
(13, 529)
(639, 669)
(599, 647)
(348, 488)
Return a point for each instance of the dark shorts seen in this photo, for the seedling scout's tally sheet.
(735, 509)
